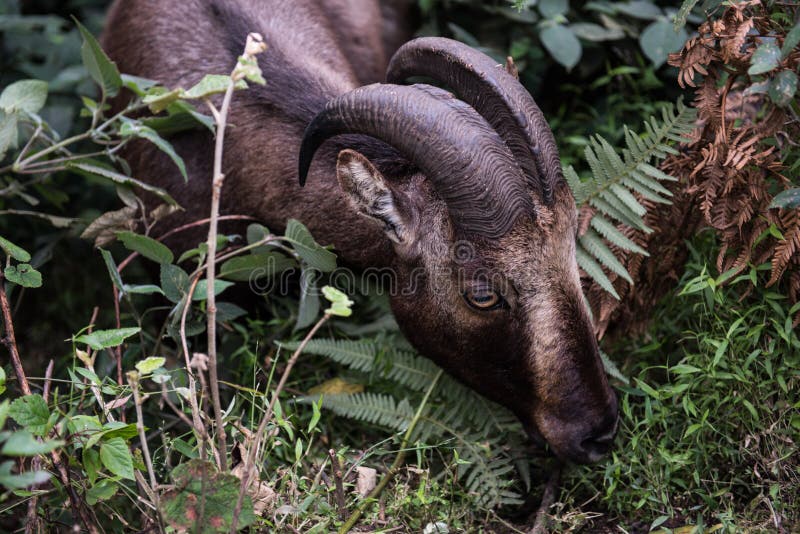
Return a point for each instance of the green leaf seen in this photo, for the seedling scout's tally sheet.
(24, 275)
(116, 457)
(16, 252)
(787, 199)
(113, 272)
(791, 41)
(143, 289)
(596, 33)
(202, 288)
(23, 480)
(103, 339)
(309, 250)
(552, 8)
(340, 304)
(640, 9)
(8, 132)
(118, 178)
(146, 246)
(593, 269)
(131, 128)
(659, 39)
(138, 85)
(562, 45)
(2, 390)
(24, 95)
(211, 84)
(159, 98)
(31, 413)
(23, 443)
(150, 364)
(197, 483)
(309, 300)
(766, 58)
(102, 491)
(101, 69)
(255, 266)
(174, 282)
(782, 88)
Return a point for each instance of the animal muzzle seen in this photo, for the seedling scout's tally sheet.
(582, 437)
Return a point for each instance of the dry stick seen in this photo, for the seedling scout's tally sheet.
(337, 478)
(32, 524)
(211, 301)
(262, 426)
(548, 497)
(395, 467)
(133, 381)
(10, 341)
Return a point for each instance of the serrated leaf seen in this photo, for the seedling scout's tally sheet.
(309, 250)
(340, 304)
(562, 44)
(31, 413)
(150, 364)
(16, 252)
(146, 246)
(118, 178)
(767, 57)
(211, 84)
(23, 275)
(174, 282)
(659, 39)
(101, 69)
(25, 95)
(104, 339)
(132, 128)
(201, 289)
(116, 457)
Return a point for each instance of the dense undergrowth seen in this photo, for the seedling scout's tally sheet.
(704, 338)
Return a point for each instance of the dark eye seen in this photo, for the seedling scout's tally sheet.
(483, 299)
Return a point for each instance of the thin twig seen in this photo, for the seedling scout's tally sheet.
(548, 498)
(336, 467)
(11, 343)
(396, 465)
(133, 381)
(262, 425)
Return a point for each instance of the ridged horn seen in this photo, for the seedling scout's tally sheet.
(465, 160)
(494, 93)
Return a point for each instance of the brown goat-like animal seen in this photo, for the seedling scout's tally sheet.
(461, 196)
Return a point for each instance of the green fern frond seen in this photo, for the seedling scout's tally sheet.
(374, 408)
(614, 183)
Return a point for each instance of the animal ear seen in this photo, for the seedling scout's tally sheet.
(369, 193)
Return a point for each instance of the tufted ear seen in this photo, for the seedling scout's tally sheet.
(369, 193)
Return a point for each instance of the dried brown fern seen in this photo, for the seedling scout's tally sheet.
(728, 173)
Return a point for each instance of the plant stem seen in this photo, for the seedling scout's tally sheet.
(548, 497)
(133, 381)
(211, 300)
(395, 467)
(262, 426)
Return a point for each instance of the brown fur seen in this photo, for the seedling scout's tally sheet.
(536, 355)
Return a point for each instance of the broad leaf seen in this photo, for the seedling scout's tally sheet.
(174, 282)
(24, 95)
(787, 199)
(118, 178)
(766, 58)
(23, 443)
(16, 252)
(340, 304)
(103, 339)
(782, 88)
(562, 45)
(552, 8)
(102, 491)
(201, 289)
(309, 250)
(24, 275)
(8, 132)
(146, 246)
(116, 457)
(101, 69)
(150, 364)
(131, 128)
(22, 480)
(659, 39)
(211, 84)
(31, 413)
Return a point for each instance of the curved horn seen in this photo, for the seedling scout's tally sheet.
(495, 94)
(465, 160)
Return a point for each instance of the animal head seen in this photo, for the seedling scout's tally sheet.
(483, 232)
